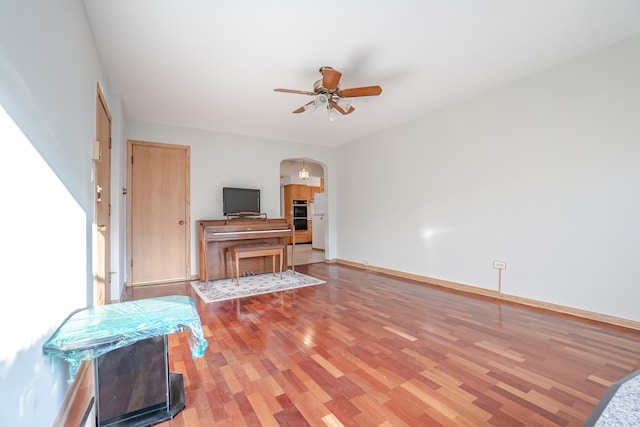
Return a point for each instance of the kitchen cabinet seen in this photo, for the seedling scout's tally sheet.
(299, 192)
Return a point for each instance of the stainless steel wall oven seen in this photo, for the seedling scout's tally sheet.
(299, 215)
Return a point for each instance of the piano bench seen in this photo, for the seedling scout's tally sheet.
(257, 250)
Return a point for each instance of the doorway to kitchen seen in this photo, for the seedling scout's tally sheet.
(302, 204)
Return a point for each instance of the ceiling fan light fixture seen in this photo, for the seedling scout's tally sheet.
(310, 107)
(345, 104)
(333, 116)
(321, 100)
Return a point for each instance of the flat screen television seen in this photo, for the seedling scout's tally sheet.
(235, 200)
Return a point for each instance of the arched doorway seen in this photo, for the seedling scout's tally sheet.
(303, 204)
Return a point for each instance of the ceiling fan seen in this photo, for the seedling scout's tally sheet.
(327, 93)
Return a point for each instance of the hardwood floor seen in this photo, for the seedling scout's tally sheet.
(366, 349)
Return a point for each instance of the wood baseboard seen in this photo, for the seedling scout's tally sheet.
(78, 398)
(598, 317)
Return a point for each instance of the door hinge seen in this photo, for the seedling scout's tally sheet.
(110, 142)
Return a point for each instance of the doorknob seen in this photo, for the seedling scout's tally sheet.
(181, 222)
(102, 227)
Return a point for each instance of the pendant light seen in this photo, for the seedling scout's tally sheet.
(304, 172)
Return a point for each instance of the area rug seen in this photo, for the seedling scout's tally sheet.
(226, 289)
(620, 405)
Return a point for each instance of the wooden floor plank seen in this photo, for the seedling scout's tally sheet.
(369, 349)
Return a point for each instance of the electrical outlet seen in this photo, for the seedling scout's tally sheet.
(500, 265)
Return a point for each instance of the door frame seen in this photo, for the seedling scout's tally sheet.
(101, 152)
(289, 167)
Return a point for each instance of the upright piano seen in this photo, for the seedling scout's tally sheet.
(216, 236)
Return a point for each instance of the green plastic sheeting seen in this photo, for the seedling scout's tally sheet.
(91, 332)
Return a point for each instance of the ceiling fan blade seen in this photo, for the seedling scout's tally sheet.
(340, 109)
(330, 78)
(301, 92)
(303, 108)
(360, 91)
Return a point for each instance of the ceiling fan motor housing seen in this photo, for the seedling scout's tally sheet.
(318, 88)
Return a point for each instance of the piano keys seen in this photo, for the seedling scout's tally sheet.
(215, 237)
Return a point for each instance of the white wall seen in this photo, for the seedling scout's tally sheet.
(118, 199)
(49, 68)
(542, 173)
(225, 160)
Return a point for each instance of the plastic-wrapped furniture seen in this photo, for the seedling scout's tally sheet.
(128, 344)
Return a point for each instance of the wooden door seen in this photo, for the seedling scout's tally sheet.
(102, 158)
(159, 213)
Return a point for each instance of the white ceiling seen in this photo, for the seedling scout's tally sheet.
(214, 64)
